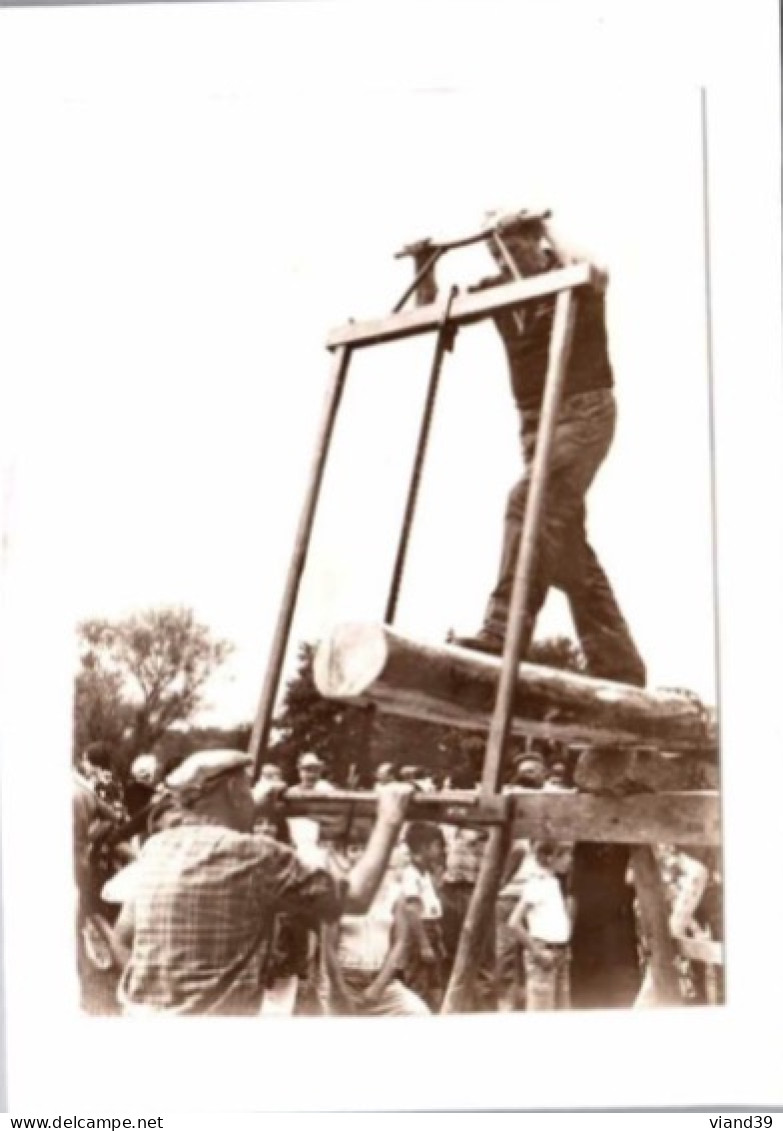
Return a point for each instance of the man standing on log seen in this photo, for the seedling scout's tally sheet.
(605, 967)
(582, 439)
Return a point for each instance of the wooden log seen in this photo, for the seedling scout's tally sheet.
(466, 308)
(646, 818)
(442, 683)
(654, 913)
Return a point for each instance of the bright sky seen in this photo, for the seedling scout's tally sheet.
(213, 222)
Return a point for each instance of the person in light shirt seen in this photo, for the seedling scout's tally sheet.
(542, 921)
(311, 778)
(420, 881)
(364, 954)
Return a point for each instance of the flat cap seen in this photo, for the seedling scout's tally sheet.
(201, 769)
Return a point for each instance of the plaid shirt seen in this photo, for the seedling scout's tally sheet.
(204, 903)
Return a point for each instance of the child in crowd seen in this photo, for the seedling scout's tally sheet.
(542, 921)
(363, 955)
(420, 880)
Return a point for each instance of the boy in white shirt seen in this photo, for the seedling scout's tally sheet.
(420, 880)
(363, 955)
(542, 921)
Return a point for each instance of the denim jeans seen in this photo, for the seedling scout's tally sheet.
(583, 435)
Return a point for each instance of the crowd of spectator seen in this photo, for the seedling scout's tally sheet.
(393, 954)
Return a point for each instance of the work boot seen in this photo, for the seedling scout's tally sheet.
(484, 641)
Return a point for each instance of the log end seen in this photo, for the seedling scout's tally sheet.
(349, 660)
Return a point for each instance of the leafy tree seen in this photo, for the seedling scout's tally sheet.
(142, 674)
(178, 742)
(356, 739)
(557, 652)
(100, 713)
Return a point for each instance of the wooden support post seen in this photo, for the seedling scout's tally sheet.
(654, 913)
(477, 920)
(444, 342)
(519, 628)
(517, 641)
(263, 719)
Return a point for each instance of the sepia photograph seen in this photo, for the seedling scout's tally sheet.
(375, 418)
(412, 709)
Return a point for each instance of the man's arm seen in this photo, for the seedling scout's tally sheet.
(517, 924)
(568, 255)
(329, 938)
(289, 885)
(516, 854)
(395, 956)
(366, 875)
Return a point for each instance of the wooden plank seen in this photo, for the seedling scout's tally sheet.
(439, 682)
(665, 818)
(467, 307)
(266, 703)
(641, 770)
(654, 913)
(644, 818)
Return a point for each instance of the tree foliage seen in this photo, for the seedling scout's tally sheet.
(142, 674)
(355, 739)
(557, 652)
(340, 734)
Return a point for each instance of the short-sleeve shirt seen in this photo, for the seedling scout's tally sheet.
(204, 903)
(547, 916)
(418, 885)
(527, 350)
(364, 940)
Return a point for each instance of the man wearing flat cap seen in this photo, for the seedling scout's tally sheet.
(206, 891)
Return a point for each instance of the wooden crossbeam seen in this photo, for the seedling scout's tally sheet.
(370, 663)
(647, 818)
(466, 308)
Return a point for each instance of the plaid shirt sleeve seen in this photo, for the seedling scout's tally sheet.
(311, 894)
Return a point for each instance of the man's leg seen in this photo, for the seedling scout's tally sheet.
(563, 984)
(603, 633)
(581, 440)
(541, 983)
